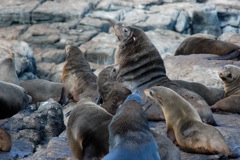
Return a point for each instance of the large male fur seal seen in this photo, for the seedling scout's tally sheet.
(77, 77)
(129, 133)
(204, 45)
(13, 98)
(140, 66)
(41, 90)
(230, 74)
(87, 130)
(7, 69)
(184, 125)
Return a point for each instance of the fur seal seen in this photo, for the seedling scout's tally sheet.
(77, 77)
(13, 98)
(140, 66)
(184, 124)
(5, 141)
(112, 93)
(41, 90)
(7, 69)
(129, 133)
(213, 94)
(204, 45)
(87, 130)
(230, 75)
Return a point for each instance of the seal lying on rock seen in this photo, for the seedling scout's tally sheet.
(77, 77)
(210, 94)
(5, 141)
(184, 125)
(204, 45)
(8, 70)
(87, 130)
(13, 98)
(230, 75)
(129, 133)
(41, 90)
(140, 66)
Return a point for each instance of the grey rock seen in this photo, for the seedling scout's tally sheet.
(205, 20)
(36, 126)
(17, 11)
(198, 69)
(183, 22)
(51, 56)
(61, 10)
(230, 29)
(166, 41)
(230, 37)
(101, 49)
(19, 149)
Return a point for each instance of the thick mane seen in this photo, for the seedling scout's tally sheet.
(138, 58)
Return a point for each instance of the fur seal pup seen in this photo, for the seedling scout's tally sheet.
(112, 94)
(5, 141)
(87, 130)
(184, 125)
(8, 70)
(41, 90)
(204, 45)
(230, 75)
(213, 94)
(129, 133)
(140, 66)
(77, 77)
(13, 98)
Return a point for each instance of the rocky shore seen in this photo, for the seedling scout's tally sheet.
(37, 31)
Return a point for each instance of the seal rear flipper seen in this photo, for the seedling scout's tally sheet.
(235, 54)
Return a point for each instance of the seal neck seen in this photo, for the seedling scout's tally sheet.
(232, 88)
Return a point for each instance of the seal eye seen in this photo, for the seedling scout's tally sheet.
(151, 93)
(229, 75)
(125, 30)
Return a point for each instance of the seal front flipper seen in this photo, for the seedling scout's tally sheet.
(235, 54)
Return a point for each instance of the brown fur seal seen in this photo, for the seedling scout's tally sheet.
(13, 98)
(140, 66)
(87, 130)
(203, 45)
(41, 90)
(7, 69)
(129, 133)
(210, 94)
(112, 93)
(230, 75)
(77, 77)
(5, 141)
(184, 125)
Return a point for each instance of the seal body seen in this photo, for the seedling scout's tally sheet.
(112, 93)
(230, 75)
(140, 66)
(87, 130)
(5, 141)
(184, 125)
(41, 90)
(129, 133)
(13, 98)
(77, 77)
(204, 45)
(8, 70)
(213, 94)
